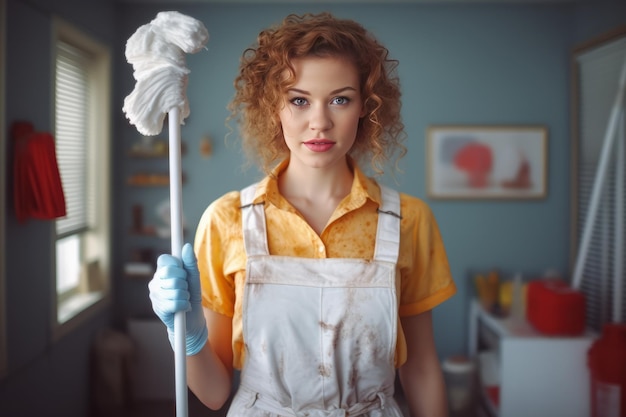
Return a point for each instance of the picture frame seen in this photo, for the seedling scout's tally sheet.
(486, 162)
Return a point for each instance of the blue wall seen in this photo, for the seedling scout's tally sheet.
(459, 64)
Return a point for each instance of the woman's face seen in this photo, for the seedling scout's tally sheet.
(321, 111)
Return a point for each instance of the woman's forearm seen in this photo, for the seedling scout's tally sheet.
(421, 376)
(208, 378)
(424, 391)
(209, 373)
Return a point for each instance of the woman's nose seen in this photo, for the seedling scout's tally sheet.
(320, 118)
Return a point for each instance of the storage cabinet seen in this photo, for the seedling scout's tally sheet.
(148, 207)
(524, 373)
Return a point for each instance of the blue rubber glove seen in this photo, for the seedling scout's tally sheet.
(175, 287)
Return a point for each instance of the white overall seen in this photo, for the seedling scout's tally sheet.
(320, 334)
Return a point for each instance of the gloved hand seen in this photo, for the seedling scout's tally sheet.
(175, 287)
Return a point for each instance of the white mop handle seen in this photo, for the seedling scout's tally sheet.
(176, 215)
(596, 192)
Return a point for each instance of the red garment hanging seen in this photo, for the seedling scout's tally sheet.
(37, 190)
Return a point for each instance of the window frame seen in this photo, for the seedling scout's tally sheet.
(3, 147)
(92, 298)
(600, 293)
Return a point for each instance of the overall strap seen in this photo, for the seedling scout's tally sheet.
(253, 223)
(388, 233)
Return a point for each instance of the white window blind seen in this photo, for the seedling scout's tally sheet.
(603, 273)
(72, 107)
(82, 131)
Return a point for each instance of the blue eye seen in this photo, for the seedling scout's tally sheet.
(341, 100)
(298, 101)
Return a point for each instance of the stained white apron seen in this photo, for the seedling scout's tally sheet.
(320, 334)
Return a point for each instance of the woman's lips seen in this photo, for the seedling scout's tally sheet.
(319, 145)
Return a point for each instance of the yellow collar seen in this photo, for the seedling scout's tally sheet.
(363, 188)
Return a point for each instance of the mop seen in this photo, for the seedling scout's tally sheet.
(157, 52)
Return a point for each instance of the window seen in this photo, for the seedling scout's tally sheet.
(597, 71)
(81, 115)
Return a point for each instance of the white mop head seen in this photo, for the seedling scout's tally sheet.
(157, 52)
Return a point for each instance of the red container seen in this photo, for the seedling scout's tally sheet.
(607, 362)
(555, 308)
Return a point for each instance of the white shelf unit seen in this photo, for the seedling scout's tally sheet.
(536, 375)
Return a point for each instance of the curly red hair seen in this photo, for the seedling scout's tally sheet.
(261, 84)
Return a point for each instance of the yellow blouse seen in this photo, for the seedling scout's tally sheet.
(425, 279)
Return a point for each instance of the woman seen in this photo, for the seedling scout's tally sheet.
(316, 282)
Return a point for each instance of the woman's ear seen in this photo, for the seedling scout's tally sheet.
(363, 111)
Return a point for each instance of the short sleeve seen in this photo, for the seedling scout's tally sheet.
(215, 247)
(426, 280)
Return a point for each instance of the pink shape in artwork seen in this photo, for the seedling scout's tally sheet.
(476, 160)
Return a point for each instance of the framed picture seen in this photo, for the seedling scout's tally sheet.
(487, 162)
